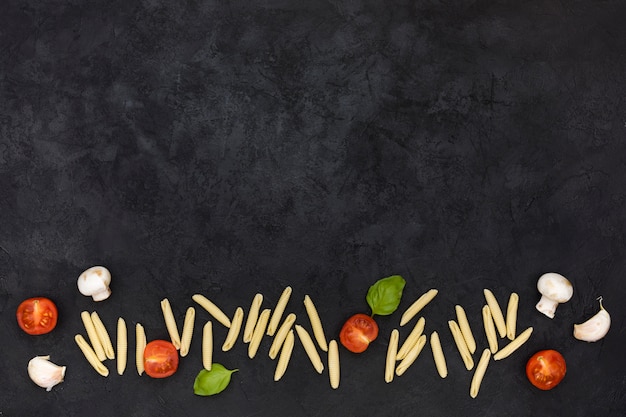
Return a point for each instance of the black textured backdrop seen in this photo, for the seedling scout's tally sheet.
(229, 148)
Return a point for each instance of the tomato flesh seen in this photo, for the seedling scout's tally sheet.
(160, 359)
(37, 315)
(358, 332)
(545, 369)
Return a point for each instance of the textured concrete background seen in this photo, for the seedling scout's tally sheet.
(229, 148)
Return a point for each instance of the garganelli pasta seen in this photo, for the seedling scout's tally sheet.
(212, 309)
(91, 356)
(207, 345)
(253, 317)
(122, 346)
(92, 334)
(309, 348)
(285, 355)
(259, 331)
(411, 356)
(466, 331)
(411, 339)
(461, 345)
(513, 345)
(103, 336)
(511, 316)
(496, 312)
(334, 372)
(417, 306)
(316, 323)
(170, 322)
(185, 339)
(140, 346)
(281, 335)
(392, 352)
(278, 311)
(490, 330)
(233, 332)
(481, 368)
(440, 360)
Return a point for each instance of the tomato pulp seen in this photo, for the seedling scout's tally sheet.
(358, 332)
(160, 359)
(545, 369)
(37, 315)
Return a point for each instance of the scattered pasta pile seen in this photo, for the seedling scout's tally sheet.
(269, 322)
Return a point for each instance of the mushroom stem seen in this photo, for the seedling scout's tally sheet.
(547, 306)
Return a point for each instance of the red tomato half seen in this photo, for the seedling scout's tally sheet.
(37, 315)
(160, 359)
(545, 369)
(357, 333)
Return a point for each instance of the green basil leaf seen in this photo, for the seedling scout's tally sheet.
(212, 382)
(384, 296)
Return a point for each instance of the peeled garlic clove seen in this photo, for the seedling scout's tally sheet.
(45, 373)
(95, 282)
(595, 328)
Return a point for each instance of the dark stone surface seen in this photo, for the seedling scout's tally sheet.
(229, 148)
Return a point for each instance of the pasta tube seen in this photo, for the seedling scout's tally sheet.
(417, 306)
(496, 312)
(212, 309)
(411, 339)
(285, 356)
(481, 368)
(91, 356)
(207, 345)
(92, 334)
(513, 345)
(440, 360)
(253, 317)
(511, 316)
(170, 322)
(411, 356)
(490, 330)
(460, 344)
(103, 336)
(140, 346)
(281, 335)
(185, 339)
(466, 331)
(122, 346)
(333, 364)
(392, 352)
(233, 332)
(278, 311)
(309, 348)
(316, 323)
(259, 331)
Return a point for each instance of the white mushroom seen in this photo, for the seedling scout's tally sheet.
(554, 289)
(95, 282)
(45, 373)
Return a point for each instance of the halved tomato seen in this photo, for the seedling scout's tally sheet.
(160, 359)
(358, 332)
(37, 315)
(545, 369)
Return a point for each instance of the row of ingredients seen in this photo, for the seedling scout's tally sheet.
(159, 358)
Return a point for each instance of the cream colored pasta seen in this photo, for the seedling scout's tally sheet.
(278, 311)
(185, 338)
(513, 344)
(259, 331)
(334, 371)
(417, 306)
(411, 339)
(233, 332)
(316, 323)
(140, 346)
(170, 323)
(490, 330)
(281, 335)
(122, 346)
(511, 316)
(212, 309)
(496, 312)
(285, 355)
(207, 345)
(411, 356)
(91, 356)
(481, 368)
(253, 317)
(92, 333)
(461, 345)
(392, 352)
(309, 348)
(103, 336)
(440, 360)
(466, 331)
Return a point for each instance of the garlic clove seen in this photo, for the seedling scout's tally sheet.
(45, 373)
(95, 282)
(595, 328)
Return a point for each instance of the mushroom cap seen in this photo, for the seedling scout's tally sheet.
(94, 280)
(555, 287)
